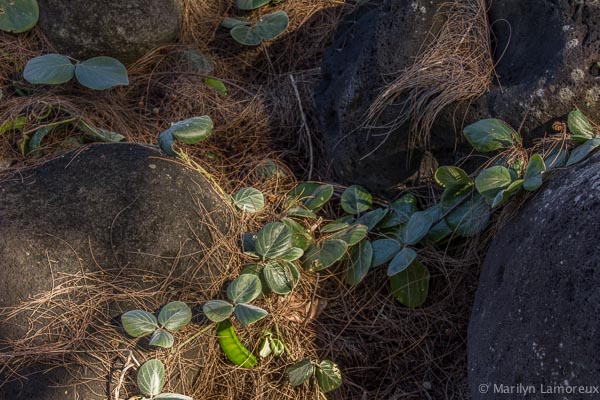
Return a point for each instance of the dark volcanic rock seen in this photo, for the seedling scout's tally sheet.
(546, 52)
(535, 318)
(371, 45)
(125, 30)
(122, 208)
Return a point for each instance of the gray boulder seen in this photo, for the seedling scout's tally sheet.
(122, 209)
(125, 30)
(546, 54)
(534, 321)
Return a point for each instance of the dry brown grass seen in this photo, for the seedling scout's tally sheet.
(385, 351)
(456, 66)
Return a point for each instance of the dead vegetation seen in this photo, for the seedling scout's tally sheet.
(385, 351)
(456, 66)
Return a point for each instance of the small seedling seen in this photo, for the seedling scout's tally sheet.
(268, 27)
(189, 131)
(328, 374)
(98, 73)
(241, 291)
(172, 317)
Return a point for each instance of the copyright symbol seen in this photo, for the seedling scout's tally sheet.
(483, 388)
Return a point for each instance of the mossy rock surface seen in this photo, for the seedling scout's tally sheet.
(122, 208)
(125, 30)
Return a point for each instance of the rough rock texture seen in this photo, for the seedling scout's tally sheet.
(535, 319)
(125, 30)
(547, 52)
(119, 207)
(372, 44)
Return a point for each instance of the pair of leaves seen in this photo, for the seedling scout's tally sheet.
(278, 276)
(311, 195)
(172, 317)
(249, 200)
(327, 372)
(241, 291)
(490, 135)
(268, 27)
(151, 380)
(188, 131)
(98, 73)
(18, 16)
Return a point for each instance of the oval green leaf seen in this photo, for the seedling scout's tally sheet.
(300, 212)
(101, 73)
(329, 376)
(356, 200)
(192, 130)
(580, 126)
(417, 227)
(533, 178)
(469, 218)
(247, 314)
(138, 323)
(232, 22)
(401, 261)
(249, 200)
(51, 69)
(279, 277)
(507, 193)
(450, 176)
(274, 240)
(18, 16)
(323, 255)
(352, 235)
(318, 198)
(245, 35)
(556, 158)
(217, 310)
(300, 372)
(411, 286)
(293, 254)
(272, 25)
(384, 250)
(162, 338)
(301, 237)
(244, 288)
(372, 218)
(582, 151)
(492, 180)
(151, 378)
(175, 316)
(338, 224)
(490, 135)
(361, 259)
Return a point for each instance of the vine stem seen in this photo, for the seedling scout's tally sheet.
(191, 338)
